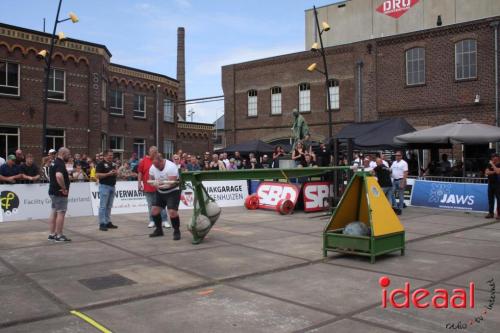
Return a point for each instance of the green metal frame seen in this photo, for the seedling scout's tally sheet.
(370, 246)
(202, 197)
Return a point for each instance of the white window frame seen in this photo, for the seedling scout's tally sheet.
(462, 55)
(6, 135)
(276, 101)
(252, 103)
(304, 97)
(136, 147)
(54, 137)
(53, 70)
(143, 97)
(168, 148)
(7, 78)
(113, 109)
(415, 56)
(121, 141)
(334, 91)
(168, 110)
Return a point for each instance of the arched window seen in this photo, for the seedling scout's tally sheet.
(304, 97)
(252, 103)
(415, 66)
(276, 100)
(466, 59)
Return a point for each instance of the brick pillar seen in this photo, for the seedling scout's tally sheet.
(181, 72)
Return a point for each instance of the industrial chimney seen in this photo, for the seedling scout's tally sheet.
(181, 73)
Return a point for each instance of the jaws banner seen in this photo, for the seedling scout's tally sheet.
(458, 196)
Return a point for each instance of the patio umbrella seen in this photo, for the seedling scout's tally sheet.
(463, 131)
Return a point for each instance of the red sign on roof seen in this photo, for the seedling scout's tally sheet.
(396, 8)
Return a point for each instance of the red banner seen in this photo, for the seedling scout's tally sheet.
(270, 193)
(314, 195)
(396, 8)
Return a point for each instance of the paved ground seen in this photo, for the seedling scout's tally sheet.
(256, 272)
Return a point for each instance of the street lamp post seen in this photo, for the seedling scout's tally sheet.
(47, 56)
(321, 29)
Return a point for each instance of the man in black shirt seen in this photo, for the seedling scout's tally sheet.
(383, 174)
(493, 186)
(323, 155)
(30, 171)
(106, 173)
(58, 192)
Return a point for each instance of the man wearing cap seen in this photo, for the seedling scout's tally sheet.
(10, 172)
(52, 154)
(58, 192)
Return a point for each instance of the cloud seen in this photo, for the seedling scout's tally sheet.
(212, 66)
(184, 4)
(206, 112)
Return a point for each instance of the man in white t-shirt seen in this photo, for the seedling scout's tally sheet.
(399, 173)
(2, 161)
(164, 175)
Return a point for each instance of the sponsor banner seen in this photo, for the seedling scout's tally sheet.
(314, 195)
(396, 8)
(128, 198)
(225, 193)
(270, 193)
(458, 196)
(410, 182)
(32, 201)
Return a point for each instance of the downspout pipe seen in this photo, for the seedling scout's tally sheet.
(495, 26)
(359, 66)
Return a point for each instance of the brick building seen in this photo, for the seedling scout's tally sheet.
(93, 104)
(430, 77)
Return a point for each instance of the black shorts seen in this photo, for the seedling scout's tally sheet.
(170, 200)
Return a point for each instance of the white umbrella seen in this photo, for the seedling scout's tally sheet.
(463, 131)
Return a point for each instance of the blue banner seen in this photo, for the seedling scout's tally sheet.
(459, 196)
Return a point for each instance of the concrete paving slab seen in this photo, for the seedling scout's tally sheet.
(67, 324)
(413, 235)
(228, 261)
(454, 246)
(20, 300)
(57, 255)
(4, 270)
(429, 228)
(463, 221)
(19, 226)
(431, 320)
(149, 277)
(34, 238)
(298, 226)
(246, 234)
(479, 276)
(124, 230)
(349, 326)
(216, 309)
(322, 286)
(302, 246)
(415, 264)
(146, 246)
(492, 235)
(493, 226)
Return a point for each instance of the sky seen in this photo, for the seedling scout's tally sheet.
(143, 34)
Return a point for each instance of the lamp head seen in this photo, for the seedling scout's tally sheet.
(73, 17)
(312, 67)
(43, 53)
(61, 36)
(315, 47)
(325, 26)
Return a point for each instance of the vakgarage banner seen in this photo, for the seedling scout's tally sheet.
(225, 193)
(458, 196)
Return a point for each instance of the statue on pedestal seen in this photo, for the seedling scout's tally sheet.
(300, 130)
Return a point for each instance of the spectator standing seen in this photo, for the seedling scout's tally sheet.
(324, 156)
(125, 172)
(92, 172)
(383, 174)
(133, 162)
(58, 192)
(149, 190)
(78, 174)
(70, 165)
(278, 152)
(193, 164)
(445, 166)
(20, 159)
(493, 186)
(106, 173)
(46, 163)
(237, 159)
(299, 154)
(206, 159)
(83, 162)
(2, 161)
(399, 169)
(30, 171)
(52, 154)
(10, 172)
(224, 159)
(232, 164)
(216, 164)
(309, 162)
(166, 196)
(266, 163)
(254, 164)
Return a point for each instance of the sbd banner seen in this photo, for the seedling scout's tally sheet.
(459, 196)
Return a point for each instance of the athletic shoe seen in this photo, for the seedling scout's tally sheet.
(112, 226)
(489, 216)
(103, 228)
(51, 238)
(166, 225)
(177, 235)
(62, 238)
(151, 224)
(157, 233)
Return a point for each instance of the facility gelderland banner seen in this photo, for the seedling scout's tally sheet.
(31, 201)
(458, 196)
